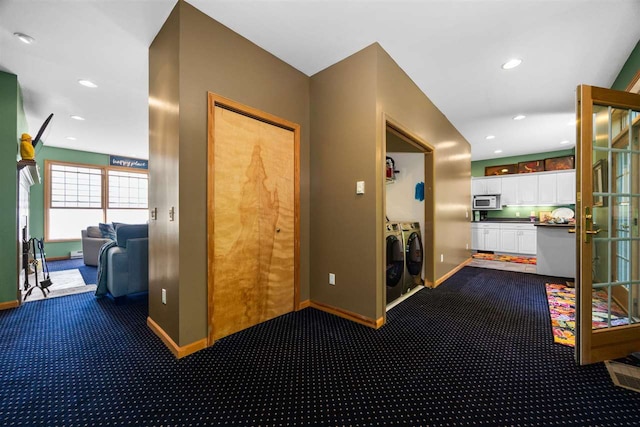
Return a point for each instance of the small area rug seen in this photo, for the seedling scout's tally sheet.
(89, 273)
(68, 277)
(506, 258)
(562, 308)
(65, 282)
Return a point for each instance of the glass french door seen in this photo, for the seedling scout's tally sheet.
(607, 230)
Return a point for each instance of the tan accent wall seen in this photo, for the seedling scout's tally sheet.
(401, 99)
(343, 224)
(164, 128)
(349, 101)
(212, 58)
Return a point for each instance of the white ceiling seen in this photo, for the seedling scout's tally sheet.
(452, 49)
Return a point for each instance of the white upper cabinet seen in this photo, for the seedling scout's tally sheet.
(547, 189)
(509, 190)
(527, 189)
(486, 185)
(519, 190)
(530, 189)
(566, 187)
(557, 188)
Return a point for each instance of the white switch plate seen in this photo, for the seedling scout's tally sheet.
(164, 296)
(360, 187)
(332, 279)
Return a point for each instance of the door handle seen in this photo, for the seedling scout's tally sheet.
(592, 231)
(571, 230)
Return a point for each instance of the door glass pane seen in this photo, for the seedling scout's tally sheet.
(616, 201)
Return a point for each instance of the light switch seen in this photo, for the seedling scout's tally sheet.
(360, 187)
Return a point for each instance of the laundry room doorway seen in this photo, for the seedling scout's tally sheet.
(409, 202)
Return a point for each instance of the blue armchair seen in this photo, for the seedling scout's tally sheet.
(128, 261)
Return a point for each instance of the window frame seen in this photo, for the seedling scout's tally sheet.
(48, 163)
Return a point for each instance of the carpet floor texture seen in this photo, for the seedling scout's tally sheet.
(477, 350)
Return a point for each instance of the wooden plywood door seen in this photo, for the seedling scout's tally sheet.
(254, 227)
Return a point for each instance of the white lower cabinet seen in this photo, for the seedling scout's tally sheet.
(485, 237)
(527, 241)
(504, 237)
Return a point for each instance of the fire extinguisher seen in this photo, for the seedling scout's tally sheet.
(391, 168)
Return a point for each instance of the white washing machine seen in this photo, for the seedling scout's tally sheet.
(413, 255)
(394, 250)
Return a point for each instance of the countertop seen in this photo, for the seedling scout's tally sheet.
(517, 220)
(522, 221)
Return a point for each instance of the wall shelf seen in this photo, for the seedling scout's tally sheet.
(32, 170)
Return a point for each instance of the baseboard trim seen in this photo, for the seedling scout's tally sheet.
(452, 272)
(9, 304)
(345, 314)
(59, 258)
(178, 352)
(304, 304)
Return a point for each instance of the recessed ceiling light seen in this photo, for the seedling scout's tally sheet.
(564, 142)
(24, 38)
(498, 151)
(71, 138)
(77, 117)
(519, 117)
(512, 63)
(489, 137)
(87, 83)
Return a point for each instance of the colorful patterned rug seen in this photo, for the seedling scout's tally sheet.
(506, 258)
(562, 307)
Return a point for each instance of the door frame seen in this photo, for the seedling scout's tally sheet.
(594, 346)
(214, 100)
(428, 150)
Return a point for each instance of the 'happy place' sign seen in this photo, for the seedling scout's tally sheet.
(128, 162)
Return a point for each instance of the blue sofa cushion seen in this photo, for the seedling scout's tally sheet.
(107, 231)
(125, 232)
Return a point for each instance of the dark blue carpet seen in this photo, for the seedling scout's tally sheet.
(65, 264)
(478, 350)
(89, 273)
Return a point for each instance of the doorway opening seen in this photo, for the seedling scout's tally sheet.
(409, 211)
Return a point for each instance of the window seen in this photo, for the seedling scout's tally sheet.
(78, 197)
(128, 193)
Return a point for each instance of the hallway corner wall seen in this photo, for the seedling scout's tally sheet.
(402, 100)
(343, 224)
(212, 58)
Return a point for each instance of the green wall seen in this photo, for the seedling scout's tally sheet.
(36, 220)
(477, 167)
(629, 70)
(12, 124)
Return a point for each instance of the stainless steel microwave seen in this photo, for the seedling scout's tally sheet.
(490, 202)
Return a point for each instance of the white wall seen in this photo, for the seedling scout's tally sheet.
(401, 204)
